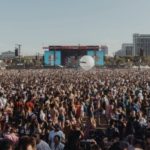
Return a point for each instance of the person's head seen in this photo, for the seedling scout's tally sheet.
(57, 139)
(112, 123)
(37, 137)
(52, 105)
(6, 144)
(140, 114)
(67, 123)
(96, 147)
(56, 127)
(133, 113)
(7, 128)
(119, 146)
(139, 143)
(27, 143)
(74, 139)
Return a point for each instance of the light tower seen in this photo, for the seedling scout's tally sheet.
(18, 47)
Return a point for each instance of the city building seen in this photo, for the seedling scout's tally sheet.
(126, 50)
(120, 53)
(7, 55)
(141, 44)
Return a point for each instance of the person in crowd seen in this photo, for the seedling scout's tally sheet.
(6, 144)
(119, 146)
(27, 143)
(73, 141)
(54, 102)
(40, 144)
(56, 131)
(61, 117)
(11, 135)
(57, 145)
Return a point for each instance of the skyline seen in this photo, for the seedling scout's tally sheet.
(102, 22)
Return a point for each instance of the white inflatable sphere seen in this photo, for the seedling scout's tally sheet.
(87, 62)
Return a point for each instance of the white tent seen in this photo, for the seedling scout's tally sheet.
(141, 67)
(135, 67)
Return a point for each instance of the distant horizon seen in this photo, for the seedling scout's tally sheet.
(46, 22)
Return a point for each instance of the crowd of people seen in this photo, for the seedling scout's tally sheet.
(61, 109)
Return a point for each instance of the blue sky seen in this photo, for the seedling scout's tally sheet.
(37, 23)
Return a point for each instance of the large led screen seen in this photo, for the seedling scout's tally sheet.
(52, 58)
(99, 58)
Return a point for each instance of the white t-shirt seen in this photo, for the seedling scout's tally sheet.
(3, 102)
(42, 115)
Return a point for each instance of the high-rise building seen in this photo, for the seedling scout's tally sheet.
(7, 55)
(126, 50)
(141, 44)
(120, 53)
